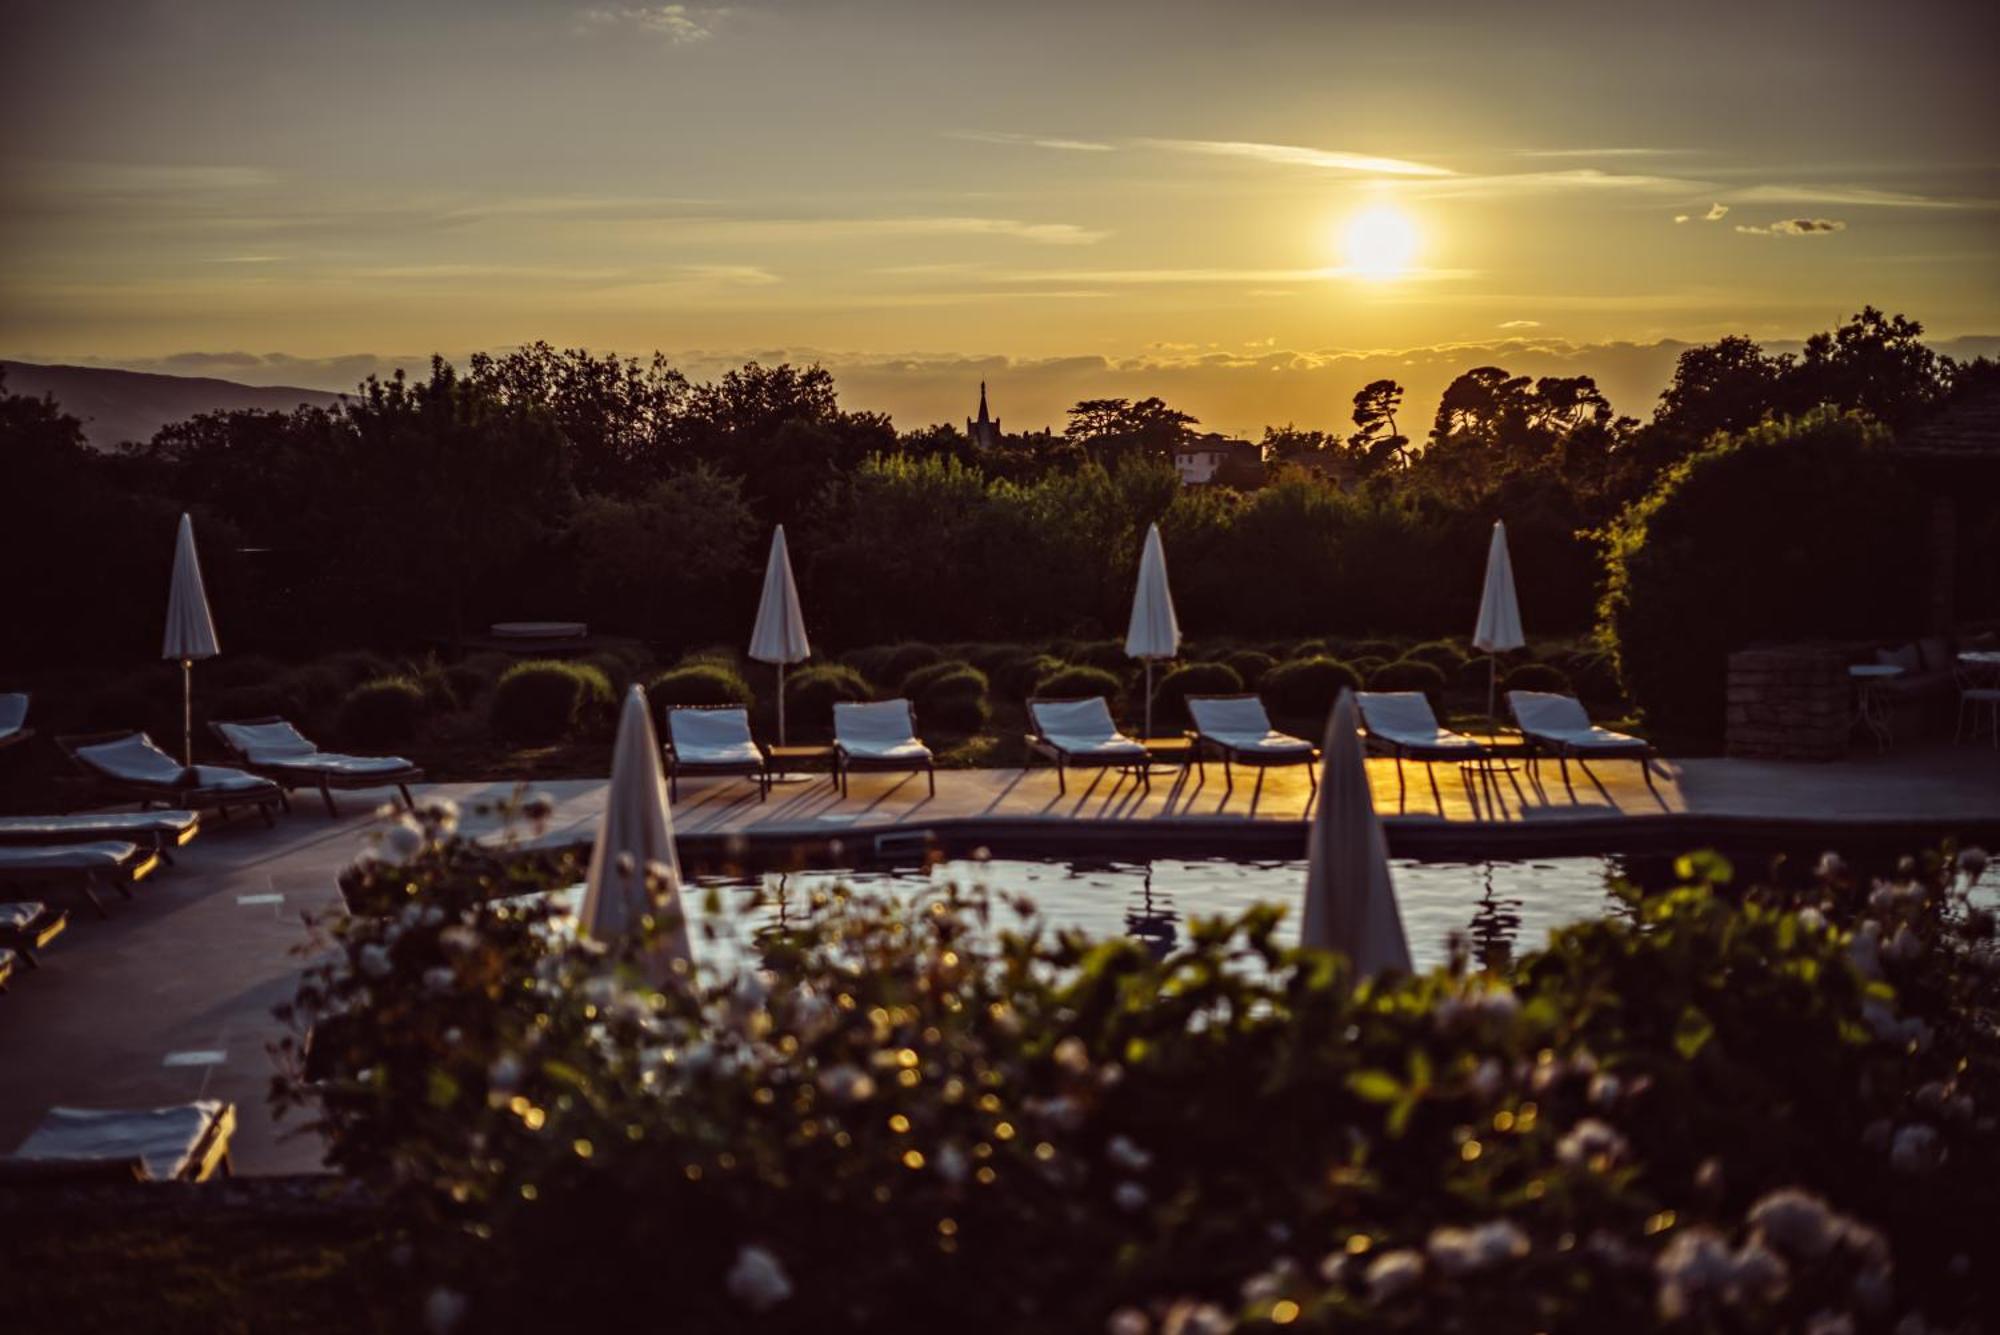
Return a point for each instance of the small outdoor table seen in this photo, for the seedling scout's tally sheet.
(1869, 711)
(787, 761)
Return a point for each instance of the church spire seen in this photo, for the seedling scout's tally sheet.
(982, 402)
(984, 430)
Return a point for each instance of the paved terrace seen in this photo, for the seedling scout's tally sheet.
(170, 997)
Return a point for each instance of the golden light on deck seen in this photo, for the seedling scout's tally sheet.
(1380, 242)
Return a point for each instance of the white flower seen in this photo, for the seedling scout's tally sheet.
(1915, 1149)
(1759, 1272)
(1587, 1140)
(1486, 1079)
(950, 1163)
(1126, 1155)
(1127, 1321)
(1499, 1003)
(443, 1310)
(1333, 1267)
(1694, 1266)
(458, 940)
(1392, 1274)
(1866, 948)
(757, 1280)
(439, 979)
(505, 1074)
(1973, 862)
(1904, 946)
(1605, 1089)
(1873, 1289)
(375, 961)
(441, 812)
(401, 841)
(1072, 1056)
(1830, 866)
(848, 1084)
(1812, 920)
(1796, 1222)
(1189, 1317)
(1461, 1251)
(1830, 1323)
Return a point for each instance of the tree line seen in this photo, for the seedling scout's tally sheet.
(552, 482)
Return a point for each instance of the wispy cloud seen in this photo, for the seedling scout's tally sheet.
(1716, 213)
(1603, 152)
(1680, 217)
(1293, 155)
(1033, 141)
(1168, 277)
(1853, 196)
(1520, 324)
(682, 25)
(1795, 227)
(1579, 180)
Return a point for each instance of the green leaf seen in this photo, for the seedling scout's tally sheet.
(1692, 1032)
(1375, 1086)
(443, 1088)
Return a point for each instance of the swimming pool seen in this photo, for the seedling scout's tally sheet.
(1496, 907)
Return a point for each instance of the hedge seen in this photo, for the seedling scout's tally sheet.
(699, 684)
(540, 701)
(1409, 674)
(1535, 677)
(1307, 687)
(384, 712)
(952, 700)
(810, 695)
(1170, 692)
(1249, 664)
(1081, 682)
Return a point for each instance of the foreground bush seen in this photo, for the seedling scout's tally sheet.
(1306, 687)
(699, 684)
(547, 700)
(385, 712)
(1728, 1111)
(1170, 692)
(949, 697)
(1081, 682)
(1249, 664)
(1408, 674)
(811, 695)
(1534, 677)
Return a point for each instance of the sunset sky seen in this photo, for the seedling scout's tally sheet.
(1223, 201)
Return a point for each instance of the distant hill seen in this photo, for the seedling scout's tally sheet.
(120, 406)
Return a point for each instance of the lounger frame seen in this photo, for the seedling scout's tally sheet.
(209, 1158)
(759, 769)
(289, 777)
(846, 763)
(1041, 744)
(170, 795)
(1255, 759)
(1538, 744)
(89, 880)
(45, 927)
(1479, 753)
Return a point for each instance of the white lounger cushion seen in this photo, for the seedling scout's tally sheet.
(1405, 717)
(281, 746)
(135, 759)
(20, 917)
(1082, 727)
(1560, 718)
(30, 861)
(713, 737)
(13, 712)
(164, 1139)
(1240, 722)
(878, 731)
(99, 825)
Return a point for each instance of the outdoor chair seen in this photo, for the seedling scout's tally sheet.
(714, 739)
(7, 958)
(1558, 725)
(1403, 724)
(27, 926)
(275, 750)
(163, 830)
(1978, 693)
(86, 867)
(14, 718)
(879, 736)
(1080, 733)
(129, 765)
(188, 1142)
(1236, 729)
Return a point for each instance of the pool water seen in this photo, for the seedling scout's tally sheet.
(1495, 907)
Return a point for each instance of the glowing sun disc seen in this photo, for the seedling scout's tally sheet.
(1379, 242)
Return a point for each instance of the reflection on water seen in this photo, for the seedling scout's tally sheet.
(1496, 908)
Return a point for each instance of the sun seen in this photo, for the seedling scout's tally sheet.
(1379, 242)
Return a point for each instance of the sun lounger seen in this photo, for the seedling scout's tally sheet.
(129, 765)
(163, 830)
(275, 749)
(1403, 724)
(7, 958)
(1557, 724)
(188, 1142)
(1236, 728)
(88, 867)
(713, 739)
(14, 718)
(878, 736)
(1080, 733)
(27, 926)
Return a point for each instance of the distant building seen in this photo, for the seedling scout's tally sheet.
(1199, 460)
(984, 431)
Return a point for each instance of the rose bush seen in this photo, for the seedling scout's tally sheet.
(1724, 1110)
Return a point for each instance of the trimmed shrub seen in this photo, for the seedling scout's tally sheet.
(315, 686)
(699, 684)
(383, 712)
(1409, 674)
(1763, 536)
(1076, 682)
(1106, 654)
(1534, 677)
(1368, 664)
(1444, 655)
(544, 700)
(1594, 678)
(950, 697)
(1250, 664)
(1021, 676)
(432, 679)
(229, 671)
(1170, 692)
(1386, 650)
(253, 700)
(1307, 687)
(355, 666)
(1307, 649)
(988, 658)
(811, 694)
